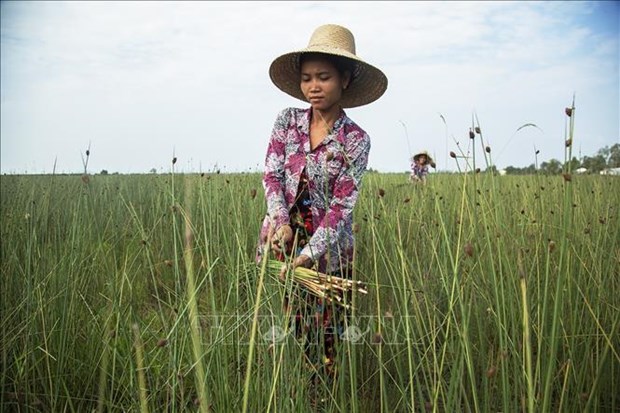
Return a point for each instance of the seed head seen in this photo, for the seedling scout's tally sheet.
(569, 112)
(471, 134)
(381, 192)
(406, 200)
(487, 149)
(551, 246)
(568, 142)
(174, 160)
(452, 154)
(162, 342)
(537, 151)
(477, 130)
(468, 249)
(477, 170)
(377, 338)
(567, 177)
(87, 152)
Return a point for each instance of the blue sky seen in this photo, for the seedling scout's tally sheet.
(142, 81)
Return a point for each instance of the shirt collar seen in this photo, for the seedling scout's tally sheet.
(337, 130)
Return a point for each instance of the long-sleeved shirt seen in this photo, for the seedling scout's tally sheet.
(334, 169)
(418, 172)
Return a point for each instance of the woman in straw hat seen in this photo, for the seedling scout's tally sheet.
(317, 156)
(419, 166)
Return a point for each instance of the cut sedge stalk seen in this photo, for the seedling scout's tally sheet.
(329, 287)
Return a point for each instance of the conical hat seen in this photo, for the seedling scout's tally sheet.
(368, 84)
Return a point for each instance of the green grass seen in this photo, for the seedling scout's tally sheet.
(485, 293)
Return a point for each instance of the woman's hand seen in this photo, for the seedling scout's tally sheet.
(299, 261)
(281, 238)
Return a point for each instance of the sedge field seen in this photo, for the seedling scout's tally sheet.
(140, 293)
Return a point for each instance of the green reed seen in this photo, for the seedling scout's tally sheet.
(498, 298)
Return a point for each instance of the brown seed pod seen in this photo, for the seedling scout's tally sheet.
(406, 200)
(568, 142)
(487, 149)
(452, 154)
(471, 134)
(381, 192)
(469, 249)
(569, 112)
(174, 160)
(477, 130)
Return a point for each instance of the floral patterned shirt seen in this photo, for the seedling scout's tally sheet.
(418, 172)
(334, 169)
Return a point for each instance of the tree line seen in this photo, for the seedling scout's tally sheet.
(606, 158)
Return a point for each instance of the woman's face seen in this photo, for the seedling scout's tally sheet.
(422, 159)
(321, 83)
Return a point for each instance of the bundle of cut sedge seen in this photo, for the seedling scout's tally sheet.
(328, 287)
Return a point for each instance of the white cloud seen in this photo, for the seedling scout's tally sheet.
(140, 80)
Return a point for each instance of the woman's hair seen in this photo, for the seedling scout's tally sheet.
(341, 63)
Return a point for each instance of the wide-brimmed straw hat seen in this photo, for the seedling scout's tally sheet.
(425, 153)
(367, 85)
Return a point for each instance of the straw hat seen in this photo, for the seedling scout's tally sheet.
(429, 160)
(368, 82)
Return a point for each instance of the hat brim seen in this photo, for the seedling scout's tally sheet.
(368, 85)
(428, 157)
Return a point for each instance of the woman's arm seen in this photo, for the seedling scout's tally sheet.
(273, 177)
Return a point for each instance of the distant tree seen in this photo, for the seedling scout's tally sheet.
(103, 172)
(153, 170)
(552, 167)
(572, 164)
(594, 164)
(531, 169)
(613, 160)
(491, 169)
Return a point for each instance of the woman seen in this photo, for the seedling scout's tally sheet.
(419, 166)
(317, 156)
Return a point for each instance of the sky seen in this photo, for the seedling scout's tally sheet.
(142, 82)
